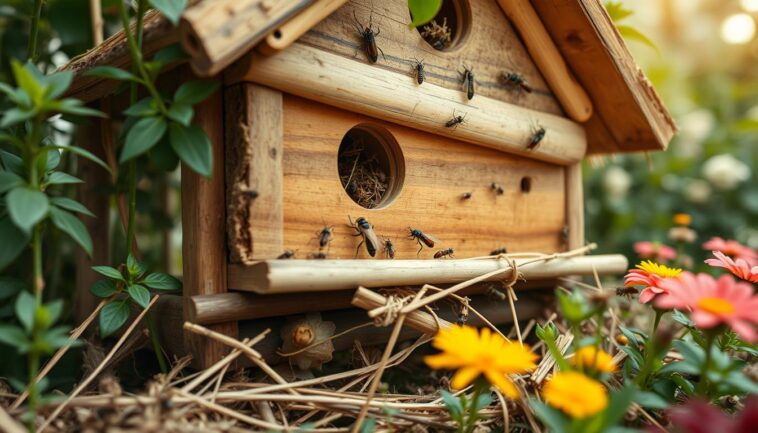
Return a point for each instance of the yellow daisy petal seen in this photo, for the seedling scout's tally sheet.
(464, 377)
(503, 384)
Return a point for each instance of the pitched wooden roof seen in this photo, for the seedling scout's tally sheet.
(627, 114)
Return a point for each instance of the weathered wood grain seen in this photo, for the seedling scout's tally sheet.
(290, 31)
(574, 207)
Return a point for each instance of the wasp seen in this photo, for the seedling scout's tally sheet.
(466, 195)
(419, 68)
(368, 38)
(455, 121)
(366, 230)
(325, 236)
(514, 80)
(389, 248)
(468, 82)
(537, 137)
(287, 254)
(496, 188)
(626, 291)
(447, 252)
(499, 251)
(320, 255)
(422, 239)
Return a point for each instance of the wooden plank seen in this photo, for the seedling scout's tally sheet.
(254, 137)
(290, 31)
(489, 44)
(545, 54)
(291, 276)
(218, 32)
(574, 207)
(338, 81)
(203, 231)
(623, 97)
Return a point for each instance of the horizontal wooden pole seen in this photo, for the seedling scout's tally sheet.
(288, 276)
(288, 32)
(419, 320)
(335, 80)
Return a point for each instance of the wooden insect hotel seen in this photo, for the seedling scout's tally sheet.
(338, 131)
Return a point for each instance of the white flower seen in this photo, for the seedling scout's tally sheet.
(616, 183)
(694, 128)
(725, 172)
(698, 191)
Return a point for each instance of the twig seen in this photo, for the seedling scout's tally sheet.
(9, 425)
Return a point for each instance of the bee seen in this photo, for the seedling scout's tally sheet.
(514, 80)
(368, 38)
(455, 121)
(325, 236)
(626, 291)
(287, 254)
(499, 251)
(320, 255)
(419, 68)
(537, 137)
(422, 239)
(468, 82)
(389, 248)
(496, 188)
(447, 252)
(366, 230)
(466, 195)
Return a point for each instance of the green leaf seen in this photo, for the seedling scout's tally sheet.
(103, 288)
(140, 295)
(26, 207)
(26, 310)
(163, 156)
(193, 147)
(71, 225)
(193, 92)
(113, 73)
(181, 113)
(12, 163)
(690, 351)
(16, 115)
(9, 181)
(633, 34)
(617, 406)
(109, 272)
(14, 336)
(72, 205)
(161, 281)
(681, 318)
(171, 9)
(368, 425)
(142, 136)
(170, 54)
(650, 400)
(112, 316)
(132, 266)
(59, 337)
(26, 80)
(142, 108)
(553, 418)
(81, 152)
(74, 107)
(59, 177)
(58, 83)
(452, 403)
(10, 286)
(14, 241)
(51, 312)
(52, 158)
(423, 11)
(617, 11)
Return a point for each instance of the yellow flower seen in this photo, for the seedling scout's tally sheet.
(575, 394)
(474, 354)
(662, 271)
(682, 219)
(598, 360)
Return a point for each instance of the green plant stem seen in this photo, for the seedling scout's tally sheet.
(472, 416)
(559, 359)
(656, 321)
(131, 203)
(702, 385)
(34, 32)
(156, 343)
(33, 400)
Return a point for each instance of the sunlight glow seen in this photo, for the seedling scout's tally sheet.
(738, 29)
(749, 5)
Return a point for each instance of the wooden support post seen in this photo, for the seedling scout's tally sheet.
(203, 231)
(288, 32)
(574, 207)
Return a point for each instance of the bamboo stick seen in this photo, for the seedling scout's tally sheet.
(218, 32)
(288, 32)
(335, 80)
(419, 320)
(287, 276)
(545, 54)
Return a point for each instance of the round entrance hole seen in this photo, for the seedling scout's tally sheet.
(449, 27)
(370, 165)
(526, 184)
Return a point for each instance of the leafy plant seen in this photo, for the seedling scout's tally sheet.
(617, 11)
(423, 11)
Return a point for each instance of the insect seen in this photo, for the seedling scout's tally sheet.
(456, 120)
(287, 254)
(514, 80)
(537, 137)
(466, 195)
(422, 239)
(250, 194)
(447, 252)
(565, 232)
(463, 315)
(468, 82)
(419, 68)
(324, 236)
(626, 291)
(389, 248)
(368, 37)
(496, 188)
(499, 251)
(366, 230)
(320, 255)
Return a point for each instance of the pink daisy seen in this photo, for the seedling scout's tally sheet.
(655, 251)
(649, 275)
(732, 248)
(738, 267)
(713, 302)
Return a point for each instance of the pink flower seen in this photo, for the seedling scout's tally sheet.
(649, 275)
(732, 248)
(713, 302)
(654, 250)
(738, 267)
(697, 416)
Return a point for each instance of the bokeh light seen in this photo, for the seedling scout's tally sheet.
(738, 29)
(749, 5)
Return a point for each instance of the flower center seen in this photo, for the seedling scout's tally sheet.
(716, 305)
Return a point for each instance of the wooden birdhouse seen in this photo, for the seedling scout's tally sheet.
(350, 149)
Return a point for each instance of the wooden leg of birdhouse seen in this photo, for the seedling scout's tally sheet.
(574, 207)
(203, 231)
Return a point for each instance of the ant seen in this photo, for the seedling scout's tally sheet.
(447, 252)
